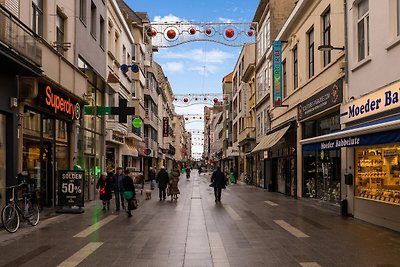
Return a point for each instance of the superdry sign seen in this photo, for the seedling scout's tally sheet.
(59, 103)
(382, 100)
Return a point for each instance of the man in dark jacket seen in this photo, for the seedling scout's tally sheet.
(162, 180)
(218, 181)
(129, 192)
(118, 188)
(152, 177)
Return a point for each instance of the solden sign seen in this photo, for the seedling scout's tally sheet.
(59, 103)
(71, 188)
(326, 98)
(382, 100)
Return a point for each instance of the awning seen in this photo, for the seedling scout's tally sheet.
(128, 150)
(270, 140)
(381, 131)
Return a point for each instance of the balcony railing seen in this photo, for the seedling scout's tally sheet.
(150, 115)
(17, 36)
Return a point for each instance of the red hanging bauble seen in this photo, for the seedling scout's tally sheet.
(208, 31)
(151, 32)
(205, 99)
(196, 99)
(215, 100)
(250, 33)
(171, 34)
(186, 100)
(192, 30)
(229, 33)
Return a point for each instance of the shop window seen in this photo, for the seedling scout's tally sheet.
(61, 131)
(378, 173)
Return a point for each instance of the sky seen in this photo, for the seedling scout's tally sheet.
(197, 67)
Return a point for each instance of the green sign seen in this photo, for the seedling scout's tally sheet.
(99, 110)
(137, 123)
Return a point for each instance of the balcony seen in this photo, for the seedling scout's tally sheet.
(150, 143)
(247, 135)
(20, 38)
(150, 118)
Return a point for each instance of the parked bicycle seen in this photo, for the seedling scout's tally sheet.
(12, 213)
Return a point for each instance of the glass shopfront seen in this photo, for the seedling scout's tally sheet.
(378, 173)
(2, 159)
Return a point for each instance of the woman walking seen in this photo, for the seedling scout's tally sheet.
(173, 189)
(104, 186)
(129, 193)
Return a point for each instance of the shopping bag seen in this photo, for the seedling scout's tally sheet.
(102, 191)
(128, 195)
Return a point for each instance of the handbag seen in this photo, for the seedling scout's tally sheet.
(128, 195)
(102, 190)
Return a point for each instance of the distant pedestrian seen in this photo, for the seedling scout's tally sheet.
(173, 189)
(187, 172)
(218, 181)
(119, 188)
(152, 178)
(129, 191)
(232, 176)
(162, 180)
(104, 185)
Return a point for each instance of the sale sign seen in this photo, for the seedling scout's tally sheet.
(70, 188)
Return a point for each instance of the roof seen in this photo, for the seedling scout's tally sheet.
(128, 12)
(228, 78)
(260, 10)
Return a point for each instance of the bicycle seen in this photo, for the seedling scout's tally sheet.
(12, 212)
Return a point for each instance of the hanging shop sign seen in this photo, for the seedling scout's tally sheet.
(165, 126)
(58, 102)
(71, 188)
(351, 141)
(324, 99)
(377, 102)
(277, 67)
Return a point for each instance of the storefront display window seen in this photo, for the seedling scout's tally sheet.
(322, 175)
(2, 158)
(378, 173)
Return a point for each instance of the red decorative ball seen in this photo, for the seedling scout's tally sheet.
(229, 33)
(215, 100)
(151, 32)
(205, 99)
(208, 31)
(250, 33)
(192, 31)
(186, 100)
(171, 34)
(196, 99)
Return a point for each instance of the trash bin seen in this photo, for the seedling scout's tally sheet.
(343, 207)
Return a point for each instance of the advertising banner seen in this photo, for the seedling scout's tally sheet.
(71, 188)
(277, 74)
(165, 126)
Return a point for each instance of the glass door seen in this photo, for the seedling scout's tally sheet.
(2, 159)
(89, 174)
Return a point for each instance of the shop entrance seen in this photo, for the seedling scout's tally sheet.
(90, 175)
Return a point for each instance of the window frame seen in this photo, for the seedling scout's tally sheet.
(295, 68)
(83, 11)
(311, 54)
(102, 32)
(60, 31)
(326, 34)
(284, 79)
(93, 20)
(364, 21)
(37, 17)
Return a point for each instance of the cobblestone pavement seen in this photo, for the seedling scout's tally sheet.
(250, 227)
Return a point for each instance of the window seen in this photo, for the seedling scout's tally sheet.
(284, 80)
(123, 54)
(266, 80)
(37, 17)
(60, 38)
(267, 33)
(398, 17)
(327, 35)
(363, 29)
(311, 53)
(102, 32)
(295, 69)
(93, 19)
(134, 53)
(82, 11)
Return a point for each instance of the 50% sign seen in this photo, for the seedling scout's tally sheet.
(70, 189)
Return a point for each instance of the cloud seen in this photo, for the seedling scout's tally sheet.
(168, 18)
(224, 20)
(173, 67)
(199, 55)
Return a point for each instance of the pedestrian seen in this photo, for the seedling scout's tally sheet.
(118, 188)
(129, 191)
(152, 178)
(173, 189)
(104, 185)
(162, 180)
(188, 172)
(232, 176)
(218, 181)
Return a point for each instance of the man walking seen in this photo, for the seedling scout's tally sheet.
(152, 177)
(218, 182)
(162, 180)
(119, 188)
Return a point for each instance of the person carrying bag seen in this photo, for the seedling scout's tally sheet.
(129, 192)
(104, 186)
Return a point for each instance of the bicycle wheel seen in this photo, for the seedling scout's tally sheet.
(33, 213)
(10, 218)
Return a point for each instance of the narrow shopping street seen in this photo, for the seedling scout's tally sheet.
(250, 227)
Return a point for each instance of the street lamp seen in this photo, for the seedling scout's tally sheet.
(327, 48)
